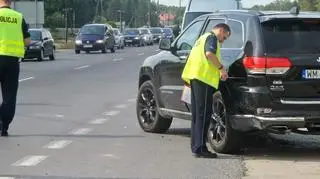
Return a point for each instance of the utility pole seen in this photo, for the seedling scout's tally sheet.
(120, 11)
(36, 2)
(149, 13)
(66, 20)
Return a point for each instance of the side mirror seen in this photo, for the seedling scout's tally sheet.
(46, 38)
(165, 44)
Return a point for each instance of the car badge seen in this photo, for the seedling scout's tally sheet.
(318, 59)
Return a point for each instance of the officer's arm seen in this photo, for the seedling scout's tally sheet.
(26, 34)
(211, 49)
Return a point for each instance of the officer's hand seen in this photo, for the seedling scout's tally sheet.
(223, 74)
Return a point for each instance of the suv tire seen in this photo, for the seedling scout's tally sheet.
(221, 137)
(147, 110)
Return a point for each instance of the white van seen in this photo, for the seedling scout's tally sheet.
(196, 8)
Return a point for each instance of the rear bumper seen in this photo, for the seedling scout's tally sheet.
(247, 123)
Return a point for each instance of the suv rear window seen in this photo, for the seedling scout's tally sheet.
(298, 36)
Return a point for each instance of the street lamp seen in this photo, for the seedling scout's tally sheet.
(120, 11)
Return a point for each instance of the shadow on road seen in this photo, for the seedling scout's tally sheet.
(291, 147)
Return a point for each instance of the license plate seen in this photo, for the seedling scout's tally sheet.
(128, 40)
(87, 46)
(311, 74)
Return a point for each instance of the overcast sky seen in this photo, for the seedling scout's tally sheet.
(245, 3)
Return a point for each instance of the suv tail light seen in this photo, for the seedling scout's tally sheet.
(266, 65)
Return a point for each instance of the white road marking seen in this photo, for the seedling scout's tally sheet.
(59, 116)
(99, 121)
(81, 131)
(141, 54)
(121, 106)
(82, 67)
(157, 50)
(25, 79)
(125, 127)
(7, 178)
(111, 113)
(117, 59)
(31, 160)
(58, 144)
(132, 100)
(111, 156)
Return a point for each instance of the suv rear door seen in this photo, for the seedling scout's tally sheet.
(293, 46)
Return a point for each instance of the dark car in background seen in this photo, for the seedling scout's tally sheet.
(95, 37)
(157, 33)
(273, 62)
(41, 46)
(133, 36)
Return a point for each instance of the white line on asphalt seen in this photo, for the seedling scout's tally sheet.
(99, 121)
(25, 79)
(141, 54)
(7, 178)
(59, 116)
(81, 131)
(111, 156)
(157, 50)
(121, 106)
(111, 113)
(58, 144)
(132, 100)
(31, 160)
(117, 59)
(82, 67)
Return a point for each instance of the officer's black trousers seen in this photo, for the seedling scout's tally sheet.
(9, 79)
(201, 101)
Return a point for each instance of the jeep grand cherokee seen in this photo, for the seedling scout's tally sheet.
(273, 61)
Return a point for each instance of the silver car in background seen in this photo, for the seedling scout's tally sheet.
(119, 38)
(147, 36)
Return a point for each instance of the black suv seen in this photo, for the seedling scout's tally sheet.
(95, 37)
(41, 46)
(273, 60)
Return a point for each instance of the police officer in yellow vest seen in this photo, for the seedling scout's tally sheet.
(14, 37)
(202, 72)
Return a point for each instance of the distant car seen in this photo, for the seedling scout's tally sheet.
(41, 46)
(147, 36)
(133, 36)
(95, 37)
(157, 33)
(119, 38)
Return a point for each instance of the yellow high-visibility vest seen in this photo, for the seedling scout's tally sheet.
(199, 67)
(11, 35)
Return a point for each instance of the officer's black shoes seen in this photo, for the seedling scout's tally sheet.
(4, 134)
(205, 154)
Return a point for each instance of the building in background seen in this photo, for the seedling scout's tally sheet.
(33, 12)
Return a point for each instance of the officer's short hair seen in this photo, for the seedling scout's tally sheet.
(224, 26)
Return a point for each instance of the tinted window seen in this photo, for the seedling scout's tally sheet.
(156, 31)
(144, 31)
(212, 23)
(116, 32)
(131, 32)
(236, 38)
(167, 31)
(35, 35)
(189, 36)
(92, 30)
(298, 36)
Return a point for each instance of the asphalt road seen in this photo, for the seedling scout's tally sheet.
(76, 119)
